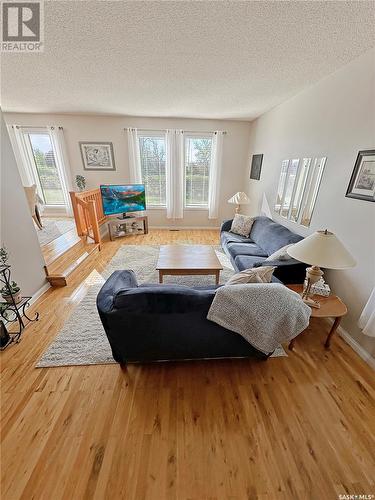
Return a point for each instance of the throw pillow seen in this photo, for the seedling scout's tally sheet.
(254, 275)
(281, 253)
(242, 225)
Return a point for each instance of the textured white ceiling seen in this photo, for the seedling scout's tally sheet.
(225, 59)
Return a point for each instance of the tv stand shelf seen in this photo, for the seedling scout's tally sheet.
(119, 227)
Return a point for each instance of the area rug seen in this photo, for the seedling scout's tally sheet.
(82, 340)
(53, 228)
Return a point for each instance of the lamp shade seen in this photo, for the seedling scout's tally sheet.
(322, 249)
(239, 198)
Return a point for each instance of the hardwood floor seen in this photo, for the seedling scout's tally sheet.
(299, 427)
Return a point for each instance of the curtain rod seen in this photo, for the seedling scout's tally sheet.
(185, 131)
(34, 126)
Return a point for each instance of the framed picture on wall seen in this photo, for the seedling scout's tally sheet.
(362, 181)
(256, 167)
(97, 155)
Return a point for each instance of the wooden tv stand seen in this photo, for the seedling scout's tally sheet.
(117, 227)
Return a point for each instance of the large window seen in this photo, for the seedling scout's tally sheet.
(197, 170)
(152, 153)
(298, 189)
(44, 168)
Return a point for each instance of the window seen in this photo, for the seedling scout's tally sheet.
(197, 170)
(289, 187)
(44, 169)
(152, 153)
(298, 189)
(313, 183)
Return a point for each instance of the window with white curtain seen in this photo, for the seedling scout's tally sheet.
(45, 170)
(197, 161)
(298, 189)
(152, 155)
(40, 165)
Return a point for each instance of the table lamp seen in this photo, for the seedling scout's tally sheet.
(238, 199)
(320, 249)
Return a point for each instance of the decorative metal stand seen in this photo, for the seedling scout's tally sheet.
(14, 312)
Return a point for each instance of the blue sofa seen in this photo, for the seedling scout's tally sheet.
(164, 322)
(266, 236)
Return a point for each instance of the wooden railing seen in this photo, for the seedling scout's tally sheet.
(88, 213)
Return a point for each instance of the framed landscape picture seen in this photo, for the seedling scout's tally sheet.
(256, 167)
(362, 181)
(97, 155)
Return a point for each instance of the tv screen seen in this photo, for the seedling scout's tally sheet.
(119, 199)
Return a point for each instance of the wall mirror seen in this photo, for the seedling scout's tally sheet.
(298, 188)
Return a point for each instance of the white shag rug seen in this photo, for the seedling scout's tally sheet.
(82, 340)
(53, 228)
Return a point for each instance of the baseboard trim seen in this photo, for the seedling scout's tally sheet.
(39, 293)
(185, 227)
(366, 356)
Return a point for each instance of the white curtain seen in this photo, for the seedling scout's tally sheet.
(20, 152)
(366, 321)
(215, 175)
(175, 173)
(135, 171)
(62, 164)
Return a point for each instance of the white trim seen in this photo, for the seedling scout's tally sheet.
(202, 208)
(356, 346)
(160, 134)
(39, 293)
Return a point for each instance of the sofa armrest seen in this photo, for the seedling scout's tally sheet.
(118, 280)
(289, 271)
(226, 225)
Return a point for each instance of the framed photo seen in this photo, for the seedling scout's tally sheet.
(97, 155)
(362, 181)
(256, 167)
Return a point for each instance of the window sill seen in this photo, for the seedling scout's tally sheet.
(186, 209)
(203, 208)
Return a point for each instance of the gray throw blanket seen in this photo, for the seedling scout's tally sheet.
(265, 314)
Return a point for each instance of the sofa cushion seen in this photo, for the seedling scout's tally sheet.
(261, 274)
(242, 224)
(228, 237)
(245, 249)
(281, 253)
(247, 261)
(271, 236)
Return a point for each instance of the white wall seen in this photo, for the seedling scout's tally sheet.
(18, 234)
(111, 128)
(334, 118)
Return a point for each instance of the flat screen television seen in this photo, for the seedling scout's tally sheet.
(119, 199)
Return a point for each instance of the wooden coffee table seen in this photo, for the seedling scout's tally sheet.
(182, 260)
(330, 307)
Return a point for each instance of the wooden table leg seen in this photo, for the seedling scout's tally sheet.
(160, 276)
(332, 331)
(217, 276)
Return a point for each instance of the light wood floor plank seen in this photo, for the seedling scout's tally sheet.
(296, 427)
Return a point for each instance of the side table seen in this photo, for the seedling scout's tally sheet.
(330, 307)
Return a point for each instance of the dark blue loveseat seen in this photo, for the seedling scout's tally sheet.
(266, 236)
(164, 322)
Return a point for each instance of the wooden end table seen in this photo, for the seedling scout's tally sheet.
(182, 260)
(330, 307)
